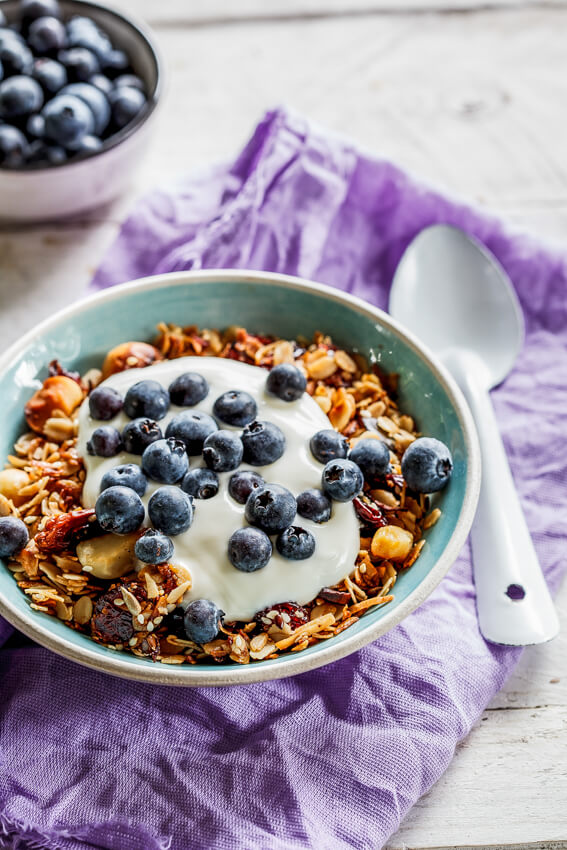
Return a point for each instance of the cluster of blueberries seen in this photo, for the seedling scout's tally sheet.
(64, 87)
(269, 508)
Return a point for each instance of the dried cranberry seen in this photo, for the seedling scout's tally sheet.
(110, 624)
(339, 597)
(369, 512)
(284, 612)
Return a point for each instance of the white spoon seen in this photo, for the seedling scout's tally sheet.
(454, 295)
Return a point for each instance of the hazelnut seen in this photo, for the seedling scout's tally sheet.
(129, 355)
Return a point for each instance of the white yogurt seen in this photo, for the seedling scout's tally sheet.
(202, 549)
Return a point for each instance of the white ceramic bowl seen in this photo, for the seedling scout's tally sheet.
(62, 191)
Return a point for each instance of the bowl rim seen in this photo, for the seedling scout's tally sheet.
(162, 674)
(145, 35)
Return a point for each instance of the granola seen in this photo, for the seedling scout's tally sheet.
(138, 611)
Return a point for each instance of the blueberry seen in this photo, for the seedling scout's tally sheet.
(202, 620)
(188, 389)
(115, 63)
(263, 443)
(139, 434)
(271, 507)
(32, 9)
(249, 549)
(46, 34)
(130, 81)
(146, 398)
(79, 62)
(51, 75)
(222, 451)
(165, 460)
(242, 483)
(287, 382)
(13, 147)
(13, 536)
(201, 483)
(41, 152)
(235, 407)
(427, 465)
(19, 96)
(88, 144)
(35, 126)
(126, 104)
(16, 57)
(372, 456)
(95, 100)
(153, 547)
(192, 427)
(327, 445)
(119, 510)
(101, 82)
(171, 510)
(105, 403)
(7, 35)
(67, 120)
(342, 480)
(295, 543)
(314, 505)
(83, 32)
(126, 475)
(105, 442)
(56, 154)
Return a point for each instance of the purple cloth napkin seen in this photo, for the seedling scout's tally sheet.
(331, 759)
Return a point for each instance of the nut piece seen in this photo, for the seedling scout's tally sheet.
(129, 355)
(83, 610)
(392, 543)
(11, 482)
(57, 393)
(108, 557)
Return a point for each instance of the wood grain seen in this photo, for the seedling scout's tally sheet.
(221, 12)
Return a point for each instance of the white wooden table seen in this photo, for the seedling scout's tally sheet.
(469, 95)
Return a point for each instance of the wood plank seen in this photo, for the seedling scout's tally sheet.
(495, 793)
(453, 101)
(221, 12)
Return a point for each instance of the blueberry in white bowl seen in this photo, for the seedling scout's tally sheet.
(125, 475)
(201, 483)
(153, 547)
(171, 510)
(249, 549)
(192, 427)
(119, 510)
(138, 434)
(427, 465)
(264, 443)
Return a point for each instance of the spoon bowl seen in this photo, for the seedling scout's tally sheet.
(467, 303)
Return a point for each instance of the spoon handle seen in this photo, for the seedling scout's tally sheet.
(513, 602)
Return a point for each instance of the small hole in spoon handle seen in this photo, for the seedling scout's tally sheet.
(515, 592)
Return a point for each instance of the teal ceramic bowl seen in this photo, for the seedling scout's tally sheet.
(269, 303)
